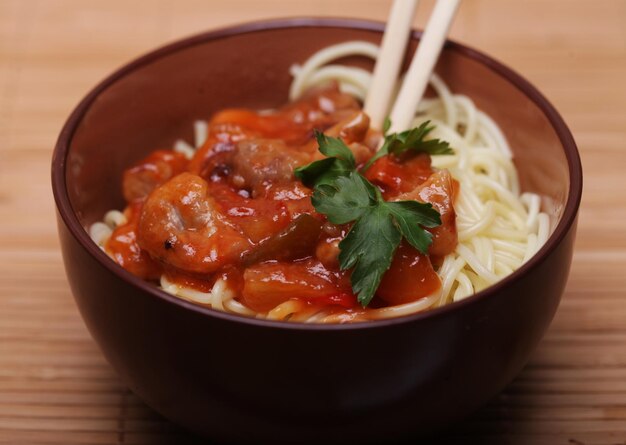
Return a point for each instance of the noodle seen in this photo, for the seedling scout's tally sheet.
(498, 230)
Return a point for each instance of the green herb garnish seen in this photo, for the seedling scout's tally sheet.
(340, 162)
(378, 228)
(345, 196)
(414, 140)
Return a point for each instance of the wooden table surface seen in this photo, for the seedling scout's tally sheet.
(55, 386)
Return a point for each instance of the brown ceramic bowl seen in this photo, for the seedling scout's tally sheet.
(241, 379)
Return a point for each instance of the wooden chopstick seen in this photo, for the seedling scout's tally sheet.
(423, 63)
(389, 60)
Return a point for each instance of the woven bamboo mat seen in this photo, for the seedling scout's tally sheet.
(55, 386)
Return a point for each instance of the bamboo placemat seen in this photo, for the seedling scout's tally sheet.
(55, 386)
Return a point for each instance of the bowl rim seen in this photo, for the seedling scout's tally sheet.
(70, 219)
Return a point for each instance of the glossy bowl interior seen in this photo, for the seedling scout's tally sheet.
(236, 378)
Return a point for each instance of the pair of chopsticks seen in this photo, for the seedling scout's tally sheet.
(393, 46)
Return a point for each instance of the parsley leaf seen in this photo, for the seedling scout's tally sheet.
(340, 162)
(345, 200)
(369, 248)
(345, 196)
(414, 140)
(335, 147)
(386, 125)
(377, 231)
(409, 216)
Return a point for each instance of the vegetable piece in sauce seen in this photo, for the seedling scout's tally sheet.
(410, 277)
(296, 241)
(267, 285)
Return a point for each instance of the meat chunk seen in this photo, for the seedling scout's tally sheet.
(316, 104)
(319, 108)
(152, 171)
(180, 227)
(352, 129)
(257, 163)
(216, 152)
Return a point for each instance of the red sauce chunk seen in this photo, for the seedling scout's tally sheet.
(410, 277)
(439, 190)
(123, 247)
(237, 212)
(269, 284)
(152, 171)
(396, 176)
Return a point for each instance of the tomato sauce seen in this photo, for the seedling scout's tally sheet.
(253, 220)
(157, 168)
(395, 176)
(123, 247)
